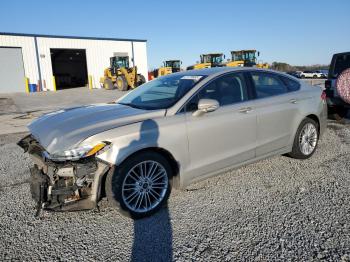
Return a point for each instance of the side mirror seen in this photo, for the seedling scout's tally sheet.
(206, 106)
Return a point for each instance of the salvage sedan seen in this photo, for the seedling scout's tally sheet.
(170, 132)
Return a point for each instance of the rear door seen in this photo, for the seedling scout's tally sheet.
(276, 108)
(226, 136)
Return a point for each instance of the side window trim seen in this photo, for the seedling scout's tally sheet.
(250, 85)
(183, 107)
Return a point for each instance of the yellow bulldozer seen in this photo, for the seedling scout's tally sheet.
(208, 60)
(120, 75)
(247, 58)
(169, 67)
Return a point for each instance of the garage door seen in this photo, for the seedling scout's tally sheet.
(11, 70)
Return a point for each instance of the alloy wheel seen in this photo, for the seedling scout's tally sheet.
(308, 139)
(145, 186)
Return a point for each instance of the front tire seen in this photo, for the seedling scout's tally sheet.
(107, 84)
(306, 139)
(140, 186)
(121, 83)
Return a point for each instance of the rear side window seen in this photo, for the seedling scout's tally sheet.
(291, 84)
(267, 85)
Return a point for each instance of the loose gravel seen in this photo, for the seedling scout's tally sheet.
(276, 209)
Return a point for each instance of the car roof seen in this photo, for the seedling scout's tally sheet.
(218, 70)
(343, 53)
(213, 54)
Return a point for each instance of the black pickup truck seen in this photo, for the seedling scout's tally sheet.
(336, 103)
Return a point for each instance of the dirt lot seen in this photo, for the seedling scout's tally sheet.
(19, 109)
(277, 209)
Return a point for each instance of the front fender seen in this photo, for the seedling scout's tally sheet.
(167, 133)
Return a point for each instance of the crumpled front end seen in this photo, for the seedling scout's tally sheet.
(64, 185)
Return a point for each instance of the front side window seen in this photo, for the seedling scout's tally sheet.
(161, 93)
(237, 56)
(227, 90)
(267, 85)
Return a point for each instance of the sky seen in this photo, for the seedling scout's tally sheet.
(295, 31)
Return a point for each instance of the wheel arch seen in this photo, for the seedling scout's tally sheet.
(301, 119)
(316, 119)
(171, 159)
(175, 166)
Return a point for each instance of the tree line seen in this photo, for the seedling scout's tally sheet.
(280, 66)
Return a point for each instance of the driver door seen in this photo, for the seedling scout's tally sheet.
(225, 137)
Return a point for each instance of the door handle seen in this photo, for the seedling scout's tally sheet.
(293, 101)
(245, 110)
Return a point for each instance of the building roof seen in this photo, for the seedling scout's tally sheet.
(74, 37)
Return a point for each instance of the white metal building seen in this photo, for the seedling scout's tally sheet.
(58, 62)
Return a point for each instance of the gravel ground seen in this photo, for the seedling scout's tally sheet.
(277, 209)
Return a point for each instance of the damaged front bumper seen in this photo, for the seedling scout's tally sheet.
(64, 185)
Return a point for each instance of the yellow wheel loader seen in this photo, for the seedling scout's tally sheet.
(120, 75)
(209, 60)
(246, 58)
(169, 67)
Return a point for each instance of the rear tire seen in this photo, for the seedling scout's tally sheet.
(140, 79)
(121, 83)
(305, 140)
(131, 193)
(338, 112)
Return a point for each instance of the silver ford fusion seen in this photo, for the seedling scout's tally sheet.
(170, 132)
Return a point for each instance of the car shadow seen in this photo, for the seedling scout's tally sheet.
(153, 235)
(153, 238)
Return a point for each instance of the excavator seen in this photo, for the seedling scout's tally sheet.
(209, 60)
(247, 58)
(120, 75)
(169, 67)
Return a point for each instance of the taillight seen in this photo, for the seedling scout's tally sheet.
(323, 95)
(328, 84)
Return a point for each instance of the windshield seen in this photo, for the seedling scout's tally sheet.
(217, 60)
(243, 56)
(173, 64)
(160, 93)
(249, 56)
(212, 59)
(119, 62)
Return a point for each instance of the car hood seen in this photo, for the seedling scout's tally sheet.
(62, 130)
